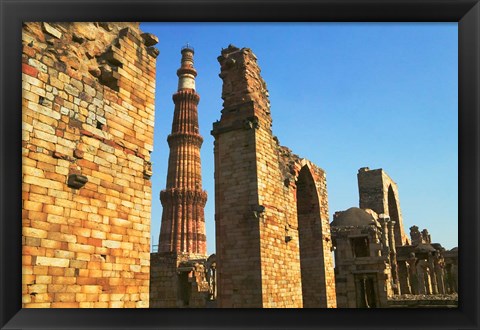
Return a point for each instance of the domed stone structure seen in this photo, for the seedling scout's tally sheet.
(354, 216)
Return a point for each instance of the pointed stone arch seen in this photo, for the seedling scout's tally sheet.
(318, 285)
(394, 213)
(380, 193)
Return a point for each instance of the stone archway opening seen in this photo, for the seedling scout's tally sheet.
(310, 241)
(394, 215)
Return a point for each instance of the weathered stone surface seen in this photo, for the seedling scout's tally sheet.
(376, 265)
(149, 39)
(380, 193)
(88, 246)
(52, 31)
(271, 206)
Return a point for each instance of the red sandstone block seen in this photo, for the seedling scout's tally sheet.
(26, 260)
(30, 70)
(29, 51)
(91, 297)
(84, 274)
(95, 242)
(95, 273)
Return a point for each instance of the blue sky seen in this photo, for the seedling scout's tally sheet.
(343, 95)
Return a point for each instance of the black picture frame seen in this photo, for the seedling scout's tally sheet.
(465, 12)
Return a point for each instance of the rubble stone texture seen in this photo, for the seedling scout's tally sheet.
(177, 273)
(87, 134)
(261, 238)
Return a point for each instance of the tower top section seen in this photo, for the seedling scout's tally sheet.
(188, 48)
(187, 73)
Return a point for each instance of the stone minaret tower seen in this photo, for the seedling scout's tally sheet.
(183, 200)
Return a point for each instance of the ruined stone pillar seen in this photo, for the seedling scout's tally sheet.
(384, 222)
(378, 192)
(421, 269)
(431, 272)
(404, 277)
(415, 236)
(393, 256)
(183, 200)
(256, 223)
(439, 272)
(428, 280)
(412, 273)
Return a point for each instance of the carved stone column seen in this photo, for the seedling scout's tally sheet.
(412, 272)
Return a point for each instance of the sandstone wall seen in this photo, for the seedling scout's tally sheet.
(178, 280)
(349, 270)
(88, 116)
(257, 225)
(380, 193)
(307, 187)
(163, 280)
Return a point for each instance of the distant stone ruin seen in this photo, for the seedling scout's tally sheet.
(376, 265)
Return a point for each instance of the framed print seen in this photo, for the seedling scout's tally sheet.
(236, 229)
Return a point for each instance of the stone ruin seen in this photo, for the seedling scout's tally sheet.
(87, 133)
(271, 207)
(376, 265)
(88, 94)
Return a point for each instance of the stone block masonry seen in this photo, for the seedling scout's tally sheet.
(265, 223)
(380, 193)
(87, 134)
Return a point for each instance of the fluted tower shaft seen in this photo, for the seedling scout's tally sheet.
(183, 200)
